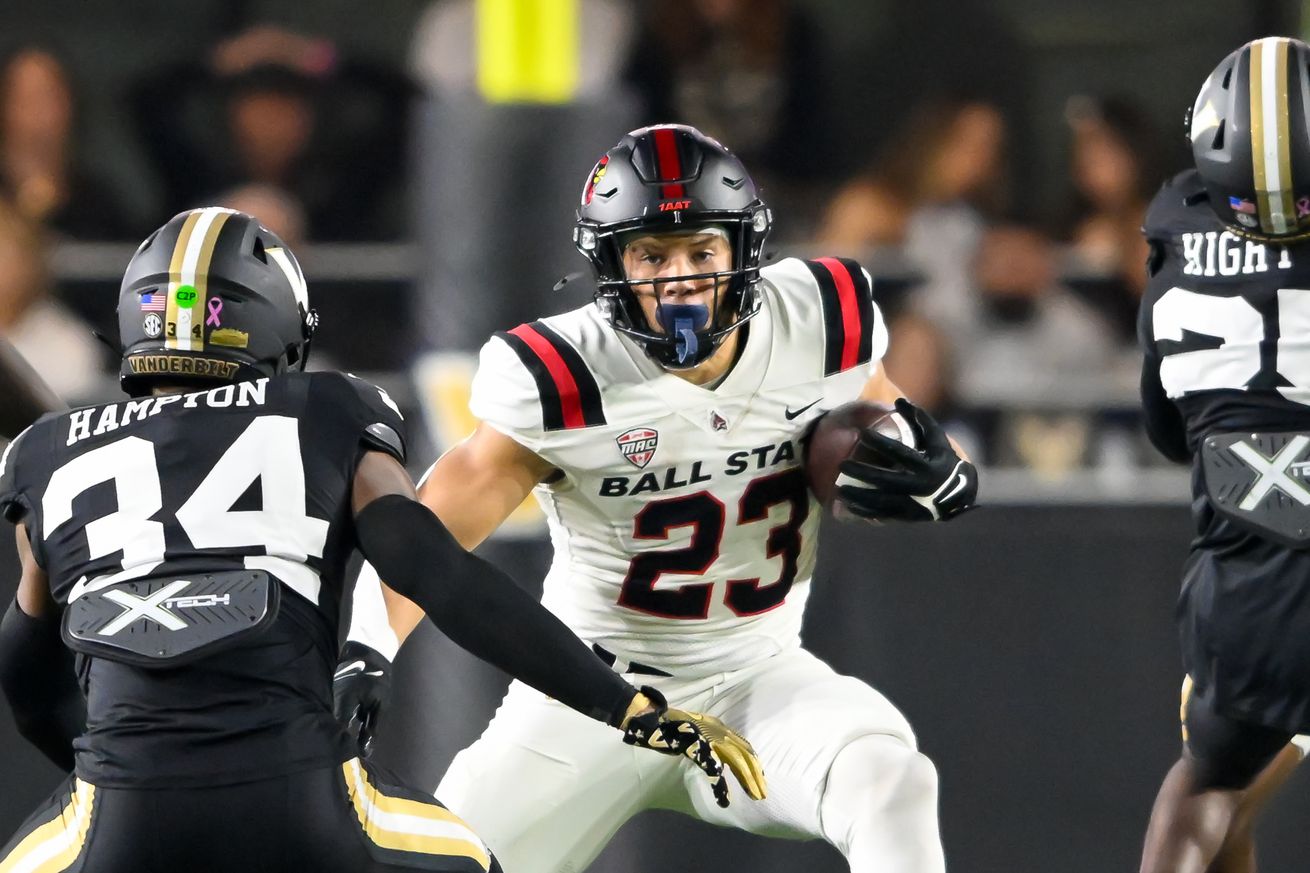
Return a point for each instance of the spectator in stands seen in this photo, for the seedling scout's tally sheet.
(40, 171)
(279, 108)
(929, 195)
(743, 71)
(945, 168)
(1117, 162)
(1001, 349)
(54, 341)
(276, 209)
(1023, 337)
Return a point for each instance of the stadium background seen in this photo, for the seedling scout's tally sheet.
(1030, 643)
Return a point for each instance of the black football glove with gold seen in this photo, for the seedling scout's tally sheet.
(890, 480)
(706, 741)
(360, 689)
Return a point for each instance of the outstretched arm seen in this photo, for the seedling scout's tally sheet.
(472, 488)
(473, 602)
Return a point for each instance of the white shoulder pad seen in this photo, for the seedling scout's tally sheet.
(829, 302)
(504, 394)
(533, 382)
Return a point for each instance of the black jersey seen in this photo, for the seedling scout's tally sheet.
(255, 475)
(1225, 324)
(1225, 329)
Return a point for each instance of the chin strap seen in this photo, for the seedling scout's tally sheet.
(681, 321)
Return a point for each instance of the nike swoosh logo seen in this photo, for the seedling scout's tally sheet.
(349, 668)
(790, 414)
(86, 586)
(961, 482)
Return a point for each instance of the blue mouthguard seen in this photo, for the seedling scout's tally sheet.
(682, 320)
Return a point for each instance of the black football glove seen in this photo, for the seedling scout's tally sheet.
(360, 689)
(931, 483)
(705, 740)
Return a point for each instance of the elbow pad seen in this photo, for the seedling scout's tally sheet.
(38, 680)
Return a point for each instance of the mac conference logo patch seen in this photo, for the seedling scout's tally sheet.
(638, 445)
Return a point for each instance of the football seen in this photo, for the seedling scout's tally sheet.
(835, 437)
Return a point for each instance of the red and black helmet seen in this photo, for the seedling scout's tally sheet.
(668, 178)
(1250, 135)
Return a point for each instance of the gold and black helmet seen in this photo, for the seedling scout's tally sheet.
(211, 297)
(1250, 135)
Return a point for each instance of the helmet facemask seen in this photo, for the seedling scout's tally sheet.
(684, 338)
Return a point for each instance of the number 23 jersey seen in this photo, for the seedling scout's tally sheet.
(684, 535)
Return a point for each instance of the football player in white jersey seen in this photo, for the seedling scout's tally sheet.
(662, 430)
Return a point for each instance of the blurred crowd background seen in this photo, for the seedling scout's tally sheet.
(989, 161)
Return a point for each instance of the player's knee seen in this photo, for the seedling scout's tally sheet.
(915, 780)
(880, 774)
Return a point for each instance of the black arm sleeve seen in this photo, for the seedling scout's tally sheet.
(482, 610)
(36, 675)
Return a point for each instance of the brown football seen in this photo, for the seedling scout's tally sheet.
(835, 437)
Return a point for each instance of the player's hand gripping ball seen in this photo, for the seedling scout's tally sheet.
(703, 739)
(865, 460)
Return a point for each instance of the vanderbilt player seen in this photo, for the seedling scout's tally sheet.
(189, 545)
(1225, 326)
(662, 430)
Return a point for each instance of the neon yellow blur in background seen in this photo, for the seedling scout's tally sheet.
(527, 50)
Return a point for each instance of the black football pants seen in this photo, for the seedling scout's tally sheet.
(336, 820)
(1227, 753)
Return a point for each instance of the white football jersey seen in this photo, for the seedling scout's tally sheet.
(684, 534)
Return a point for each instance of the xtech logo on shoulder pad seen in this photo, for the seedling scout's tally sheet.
(1262, 480)
(162, 620)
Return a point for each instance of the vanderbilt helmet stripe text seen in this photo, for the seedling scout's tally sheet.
(570, 397)
(848, 318)
(55, 844)
(1270, 154)
(412, 826)
(669, 163)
